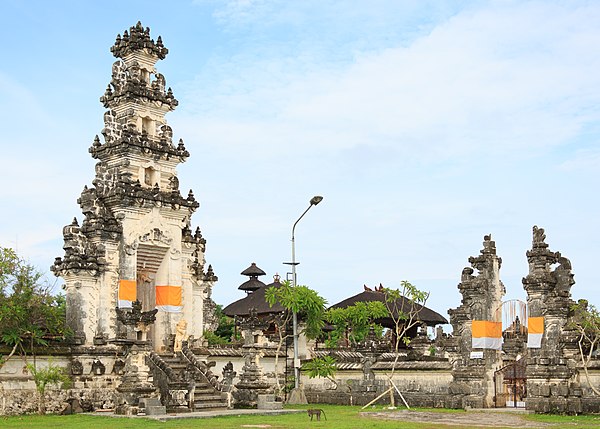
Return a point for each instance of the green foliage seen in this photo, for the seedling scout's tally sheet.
(48, 375)
(586, 321)
(404, 317)
(29, 314)
(214, 340)
(307, 303)
(353, 322)
(224, 332)
(324, 367)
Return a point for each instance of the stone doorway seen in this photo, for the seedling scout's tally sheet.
(510, 384)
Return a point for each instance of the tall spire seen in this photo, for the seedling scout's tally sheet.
(138, 39)
(136, 228)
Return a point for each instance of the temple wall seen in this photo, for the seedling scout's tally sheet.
(420, 386)
(93, 384)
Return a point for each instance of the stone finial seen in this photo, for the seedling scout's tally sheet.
(138, 39)
(538, 237)
(191, 196)
(210, 274)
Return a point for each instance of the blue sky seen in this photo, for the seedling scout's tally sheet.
(424, 124)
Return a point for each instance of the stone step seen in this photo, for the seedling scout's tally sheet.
(204, 390)
(204, 386)
(206, 406)
(207, 398)
(178, 366)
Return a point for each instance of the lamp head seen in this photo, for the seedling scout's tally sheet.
(316, 200)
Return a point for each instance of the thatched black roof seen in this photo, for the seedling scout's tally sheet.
(255, 300)
(251, 285)
(425, 315)
(253, 270)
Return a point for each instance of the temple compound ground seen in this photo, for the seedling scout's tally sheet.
(138, 295)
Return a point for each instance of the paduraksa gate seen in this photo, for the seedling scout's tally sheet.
(136, 240)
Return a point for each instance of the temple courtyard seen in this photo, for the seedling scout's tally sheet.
(337, 417)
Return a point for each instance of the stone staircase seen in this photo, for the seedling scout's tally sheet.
(185, 386)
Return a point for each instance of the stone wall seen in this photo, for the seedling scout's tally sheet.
(421, 384)
(19, 396)
(25, 401)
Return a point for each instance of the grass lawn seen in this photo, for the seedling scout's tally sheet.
(338, 417)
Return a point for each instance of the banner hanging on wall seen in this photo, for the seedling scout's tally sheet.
(168, 298)
(127, 293)
(486, 335)
(535, 332)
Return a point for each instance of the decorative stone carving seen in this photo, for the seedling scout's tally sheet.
(118, 367)
(473, 383)
(125, 220)
(180, 335)
(76, 367)
(98, 367)
(551, 370)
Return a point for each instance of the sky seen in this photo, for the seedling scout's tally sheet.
(425, 125)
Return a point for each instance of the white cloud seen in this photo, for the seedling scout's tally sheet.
(518, 77)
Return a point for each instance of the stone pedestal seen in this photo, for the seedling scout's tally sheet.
(136, 385)
(252, 381)
(297, 397)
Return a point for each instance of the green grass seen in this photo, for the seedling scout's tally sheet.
(592, 421)
(338, 417)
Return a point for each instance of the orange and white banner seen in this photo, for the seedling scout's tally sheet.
(486, 335)
(168, 298)
(127, 293)
(535, 332)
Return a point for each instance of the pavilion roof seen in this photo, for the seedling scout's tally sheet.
(255, 300)
(424, 314)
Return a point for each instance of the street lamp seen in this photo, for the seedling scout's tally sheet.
(313, 202)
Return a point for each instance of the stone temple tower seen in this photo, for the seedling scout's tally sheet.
(135, 241)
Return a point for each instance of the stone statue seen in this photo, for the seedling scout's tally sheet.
(538, 236)
(180, 335)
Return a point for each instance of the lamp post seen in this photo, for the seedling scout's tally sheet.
(313, 202)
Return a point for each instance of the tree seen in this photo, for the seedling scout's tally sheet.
(302, 300)
(225, 331)
(324, 367)
(352, 323)
(586, 321)
(48, 375)
(29, 314)
(403, 306)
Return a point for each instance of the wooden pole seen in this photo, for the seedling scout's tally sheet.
(401, 397)
(376, 399)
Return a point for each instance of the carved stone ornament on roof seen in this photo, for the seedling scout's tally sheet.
(128, 139)
(135, 315)
(539, 237)
(156, 236)
(138, 38)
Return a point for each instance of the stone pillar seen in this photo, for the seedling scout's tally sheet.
(551, 369)
(473, 375)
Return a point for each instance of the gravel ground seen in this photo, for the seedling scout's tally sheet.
(471, 418)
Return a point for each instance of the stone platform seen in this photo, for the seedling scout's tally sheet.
(201, 414)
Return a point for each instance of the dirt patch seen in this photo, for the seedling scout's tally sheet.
(471, 418)
(256, 426)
